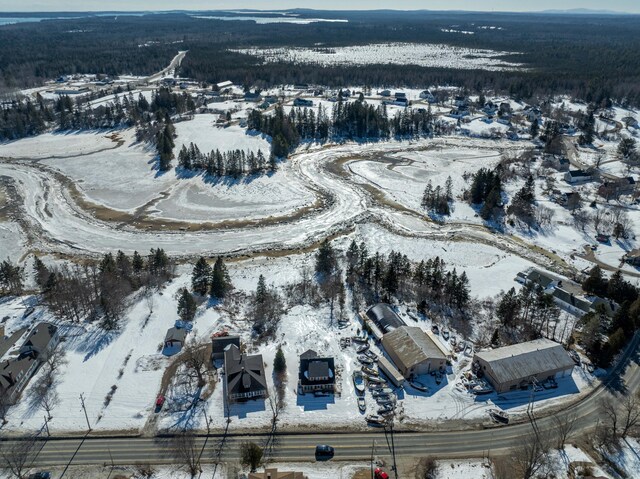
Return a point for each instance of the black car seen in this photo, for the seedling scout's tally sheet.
(324, 452)
(40, 475)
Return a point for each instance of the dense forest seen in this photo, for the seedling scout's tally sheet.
(592, 57)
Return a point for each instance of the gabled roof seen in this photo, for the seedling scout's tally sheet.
(411, 346)
(521, 361)
(540, 278)
(40, 336)
(175, 334)
(574, 301)
(312, 366)
(243, 373)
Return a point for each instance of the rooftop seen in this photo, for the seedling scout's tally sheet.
(524, 360)
(412, 346)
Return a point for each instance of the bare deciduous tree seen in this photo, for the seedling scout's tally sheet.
(629, 413)
(17, 456)
(530, 455)
(186, 451)
(564, 426)
(196, 361)
(581, 219)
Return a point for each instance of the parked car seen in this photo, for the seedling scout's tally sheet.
(159, 402)
(324, 452)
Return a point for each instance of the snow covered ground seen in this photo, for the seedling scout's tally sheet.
(60, 145)
(426, 55)
(464, 469)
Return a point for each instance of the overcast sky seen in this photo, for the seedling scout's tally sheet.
(632, 6)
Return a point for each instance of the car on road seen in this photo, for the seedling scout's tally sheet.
(41, 475)
(324, 452)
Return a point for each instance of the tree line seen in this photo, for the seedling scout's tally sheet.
(99, 290)
(234, 163)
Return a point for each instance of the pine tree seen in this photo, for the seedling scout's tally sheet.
(508, 309)
(200, 277)
(220, 281)
(535, 129)
(325, 259)
(137, 263)
(261, 291)
(279, 363)
(186, 306)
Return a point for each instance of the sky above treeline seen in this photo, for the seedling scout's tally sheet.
(629, 6)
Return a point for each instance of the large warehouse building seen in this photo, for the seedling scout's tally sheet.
(515, 366)
(413, 352)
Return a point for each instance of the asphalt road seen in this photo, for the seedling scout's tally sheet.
(349, 446)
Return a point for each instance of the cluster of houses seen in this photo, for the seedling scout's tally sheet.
(16, 371)
(566, 294)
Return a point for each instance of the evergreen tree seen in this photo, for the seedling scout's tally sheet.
(535, 129)
(137, 263)
(186, 306)
(279, 363)
(508, 309)
(261, 290)
(220, 281)
(325, 259)
(200, 277)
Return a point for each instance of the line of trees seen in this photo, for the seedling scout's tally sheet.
(354, 120)
(99, 290)
(234, 163)
(486, 190)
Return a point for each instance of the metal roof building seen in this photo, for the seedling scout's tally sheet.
(515, 366)
(413, 351)
(384, 317)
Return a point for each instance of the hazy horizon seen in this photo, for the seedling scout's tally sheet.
(44, 6)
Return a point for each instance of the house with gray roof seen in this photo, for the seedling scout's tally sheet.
(316, 374)
(519, 365)
(220, 343)
(42, 339)
(413, 351)
(244, 376)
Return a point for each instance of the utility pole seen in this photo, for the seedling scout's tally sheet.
(393, 452)
(373, 447)
(86, 416)
(46, 425)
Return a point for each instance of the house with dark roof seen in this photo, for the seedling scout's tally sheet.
(42, 339)
(316, 374)
(413, 351)
(519, 365)
(244, 376)
(578, 176)
(616, 188)
(220, 343)
(15, 373)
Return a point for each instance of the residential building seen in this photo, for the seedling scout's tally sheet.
(616, 188)
(316, 374)
(413, 351)
(244, 376)
(302, 102)
(220, 343)
(517, 366)
(633, 257)
(42, 339)
(578, 176)
(175, 338)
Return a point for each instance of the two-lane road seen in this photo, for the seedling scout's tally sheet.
(349, 446)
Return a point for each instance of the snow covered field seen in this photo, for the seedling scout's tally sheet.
(425, 55)
(58, 145)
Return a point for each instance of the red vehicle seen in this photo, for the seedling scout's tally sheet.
(159, 402)
(380, 474)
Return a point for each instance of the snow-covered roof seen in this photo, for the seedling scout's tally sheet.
(411, 346)
(521, 361)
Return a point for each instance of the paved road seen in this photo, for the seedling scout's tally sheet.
(175, 63)
(349, 446)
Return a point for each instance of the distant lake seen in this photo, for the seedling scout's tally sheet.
(13, 20)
